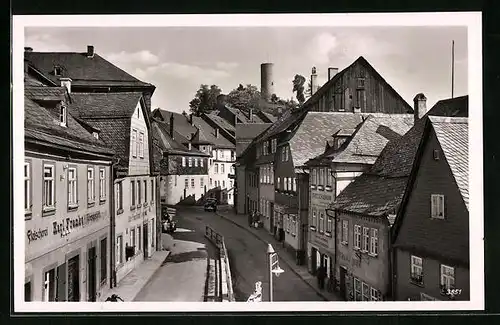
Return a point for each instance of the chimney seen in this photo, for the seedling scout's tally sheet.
(419, 106)
(251, 115)
(314, 81)
(172, 125)
(332, 72)
(216, 132)
(28, 49)
(66, 82)
(189, 146)
(191, 119)
(90, 51)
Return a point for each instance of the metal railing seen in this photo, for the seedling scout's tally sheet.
(225, 283)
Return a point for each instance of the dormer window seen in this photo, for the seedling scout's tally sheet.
(57, 71)
(62, 116)
(95, 135)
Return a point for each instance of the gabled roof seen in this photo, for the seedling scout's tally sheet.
(361, 60)
(181, 124)
(81, 69)
(453, 107)
(379, 191)
(41, 125)
(217, 120)
(453, 136)
(308, 141)
(105, 105)
(208, 133)
(251, 130)
(169, 145)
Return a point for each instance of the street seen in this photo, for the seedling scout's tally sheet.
(248, 260)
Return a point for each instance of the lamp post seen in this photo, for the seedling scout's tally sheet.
(274, 267)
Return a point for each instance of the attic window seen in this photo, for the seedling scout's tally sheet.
(95, 135)
(361, 82)
(57, 71)
(62, 116)
(436, 154)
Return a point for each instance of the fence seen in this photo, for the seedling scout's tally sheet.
(223, 280)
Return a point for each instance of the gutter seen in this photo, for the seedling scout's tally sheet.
(112, 224)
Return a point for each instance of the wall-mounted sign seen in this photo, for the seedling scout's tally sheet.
(34, 235)
(134, 217)
(321, 196)
(64, 226)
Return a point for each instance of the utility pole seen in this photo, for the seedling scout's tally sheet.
(452, 66)
(270, 253)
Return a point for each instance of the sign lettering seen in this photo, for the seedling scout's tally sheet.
(321, 196)
(63, 227)
(34, 235)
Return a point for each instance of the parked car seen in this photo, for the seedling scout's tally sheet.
(210, 205)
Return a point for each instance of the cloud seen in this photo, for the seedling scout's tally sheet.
(184, 71)
(45, 43)
(321, 47)
(133, 58)
(226, 65)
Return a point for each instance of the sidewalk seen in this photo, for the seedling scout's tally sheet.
(262, 234)
(132, 283)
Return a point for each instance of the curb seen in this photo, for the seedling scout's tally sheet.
(319, 293)
(152, 275)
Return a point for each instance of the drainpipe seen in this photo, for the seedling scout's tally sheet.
(112, 225)
(392, 276)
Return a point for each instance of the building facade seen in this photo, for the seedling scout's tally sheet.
(67, 200)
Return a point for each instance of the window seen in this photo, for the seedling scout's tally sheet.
(27, 187)
(183, 161)
(286, 153)
(279, 183)
(294, 226)
(329, 225)
(138, 238)
(72, 188)
(201, 182)
(374, 242)
(103, 254)
(139, 193)
(119, 249)
(27, 291)
(222, 168)
(141, 145)
(447, 278)
(357, 236)
(195, 162)
(216, 168)
(223, 184)
(48, 186)
(229, 196)
(313, 176)
(321, 177)
(153, 189)
(375, 294)
(192, 182)
(119, 196)
(282, 153)
(62, 115)
(145, 191)
(313, 223)
(134, 143)
(132, 193)
(357, 290)
(289, 183)
(417, 271)
(437, 206)
(201, 162)
(321, 224)
(90, 185)
(186, 183)
(102, 184)
(345, 231)
(366, 239)
(132, 238)
(230, 184)
(366, 292)
(190, 162)
(328, 177)
(210, 181)
(49, 287)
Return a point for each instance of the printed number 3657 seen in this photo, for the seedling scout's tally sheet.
(454, 292)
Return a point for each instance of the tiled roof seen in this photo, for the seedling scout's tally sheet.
(453, 136)
(81, 69)
(43, 93)
(31, 81)
(251, 130)
(270, 116)
(181, 124)
(116, 133)
(371, 138)
(105, 105)
(456, 107)
(208, 132)
(221, 122)
(160, 132)
(370, 193)
(42, 124)
(309, 138)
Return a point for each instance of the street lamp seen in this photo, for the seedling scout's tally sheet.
(274, 267)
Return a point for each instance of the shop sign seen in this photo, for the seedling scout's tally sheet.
(134, 217)
(34, 235)
(321, 196)
(64, 226)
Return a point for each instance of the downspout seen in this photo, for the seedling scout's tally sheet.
(392, 276)
(112, 225)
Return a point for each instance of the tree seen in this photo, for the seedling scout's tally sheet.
(244, 97)
(298, 87)
(205, 100)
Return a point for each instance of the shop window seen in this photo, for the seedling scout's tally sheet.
(49, 288)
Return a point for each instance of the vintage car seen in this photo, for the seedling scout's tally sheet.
(210, 205)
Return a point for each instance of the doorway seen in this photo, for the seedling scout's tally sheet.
(342, 276)
(74, 278)
(313, 260)
(145, 240)
(92, 272)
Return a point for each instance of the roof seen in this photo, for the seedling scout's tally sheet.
(81, 69)
(453, 136)
(181, 124)
(453, 107)
(361, 60)
(221, 122)
(105, 105)
(270, 116)
(310, 136)
(251, 130)
(379, 191)
(371, 138)
(207, 132)
(42, 93)
(42, 125)
(29, 80)
(169, 145)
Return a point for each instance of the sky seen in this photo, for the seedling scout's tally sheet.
(177, 60)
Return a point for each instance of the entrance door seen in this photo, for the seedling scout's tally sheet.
(271, 217)
(313, 260)
(92, 272)
(145, 240)
(61, 283)
(74, 278)
(343, 273)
